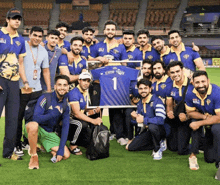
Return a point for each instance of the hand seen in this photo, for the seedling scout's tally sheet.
(182, 117)
(97, 121)
(133, 114)
(1, 89)
(195, 47)
(135, 100)
(96, 41)
(59, 158)
(59, 109)
(26, 86)
(140, 118)
(120, 41)
(42, 44)
(64, 51)
(170, 115)
(97, 110)
(194, 125)
(70, 57)
(104, 60)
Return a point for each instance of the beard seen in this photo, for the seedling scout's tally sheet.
(202, 90)
(158, 76)
(75, 53)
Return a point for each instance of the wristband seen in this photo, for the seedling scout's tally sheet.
(26, 82)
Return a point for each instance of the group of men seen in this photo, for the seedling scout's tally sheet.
(55, 74)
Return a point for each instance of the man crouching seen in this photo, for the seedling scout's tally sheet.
(42, 128)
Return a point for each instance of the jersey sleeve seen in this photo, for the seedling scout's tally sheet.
(23, 49)
(195, 55)
(73, 96)
(217, 103)
(63, 61)
(189, 102)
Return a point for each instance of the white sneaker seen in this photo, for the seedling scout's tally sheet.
(163, 145)
(18, 151)
(158, 155)
(112, 137)
(193, 164)
(122, 141)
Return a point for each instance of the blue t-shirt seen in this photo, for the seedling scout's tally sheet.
(210, 104)
(75, 68)
(187, 57)
(86, 50)
(116, 52)
(115, 83)
(49, 118)
(11, 47)
(134, 54)
(76, 95)
(152, 109)
(150, 53)
(53, 57)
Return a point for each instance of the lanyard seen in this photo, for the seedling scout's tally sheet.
(52, 57)
(35, 60)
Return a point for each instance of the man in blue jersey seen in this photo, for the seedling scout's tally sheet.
(88, 44)
(54, 53)
(41, 128)
(147, 50)
(72, 66)
(179, 137)
(80, 123)
(12, 51)
(179, 52)
(35, 64)
(133, 52)
(151, 113)
(203, 105)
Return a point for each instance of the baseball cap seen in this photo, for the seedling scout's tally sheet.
(13, 12)
(85, 75)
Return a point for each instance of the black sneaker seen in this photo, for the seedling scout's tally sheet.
(18, 150)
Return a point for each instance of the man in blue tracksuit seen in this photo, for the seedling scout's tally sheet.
(41, 128)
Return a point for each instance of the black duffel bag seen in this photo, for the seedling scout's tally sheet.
(99, 143)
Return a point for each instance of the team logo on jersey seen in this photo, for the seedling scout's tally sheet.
(151, 104)
(130, 57)
(196, 101)
(81, 100)
(95, 92)
(115, 51)
(186, 56)
(2, 40)
(18, 43)
(51, 107)
(120, 72)
(208, 101)
(163, 86)
(150, 57)
(80, 65)
(173, 93)
(114, 68)
(83, 51)
(101, 49)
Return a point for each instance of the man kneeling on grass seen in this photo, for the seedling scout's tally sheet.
(41, 128)
(151, 113)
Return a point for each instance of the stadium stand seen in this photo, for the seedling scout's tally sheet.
(160, 13)
(5, 5)
(124, 13)
(37, 12)
(203, 2)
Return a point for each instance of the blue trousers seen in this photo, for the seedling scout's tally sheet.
(9, 98)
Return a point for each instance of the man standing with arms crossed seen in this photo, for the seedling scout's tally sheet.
(12, 51)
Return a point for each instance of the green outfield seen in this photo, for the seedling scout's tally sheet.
(122, 167)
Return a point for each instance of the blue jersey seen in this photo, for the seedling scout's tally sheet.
(75, 68)
(86, 50)
(165, 56)
(77, 95)
(162, 87)
(49, 118)
(150, 53)
(115, 84)
(210, 104)
(176, 92)
(116, 52)
(11, 47)
(134, 54)
(187, 56)
(152, 109)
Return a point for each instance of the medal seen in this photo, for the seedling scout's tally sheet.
(35, 75)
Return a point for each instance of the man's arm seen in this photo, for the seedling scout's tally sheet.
(64, 133)
(22, 72)
(81, 116)
(199, 64)
(64, 70)
(46, 74)
(169, 106)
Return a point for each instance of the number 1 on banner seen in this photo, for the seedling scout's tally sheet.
(115, 83)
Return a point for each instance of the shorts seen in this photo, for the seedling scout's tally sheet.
(47, 139)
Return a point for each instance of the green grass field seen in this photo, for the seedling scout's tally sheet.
(122, 167)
